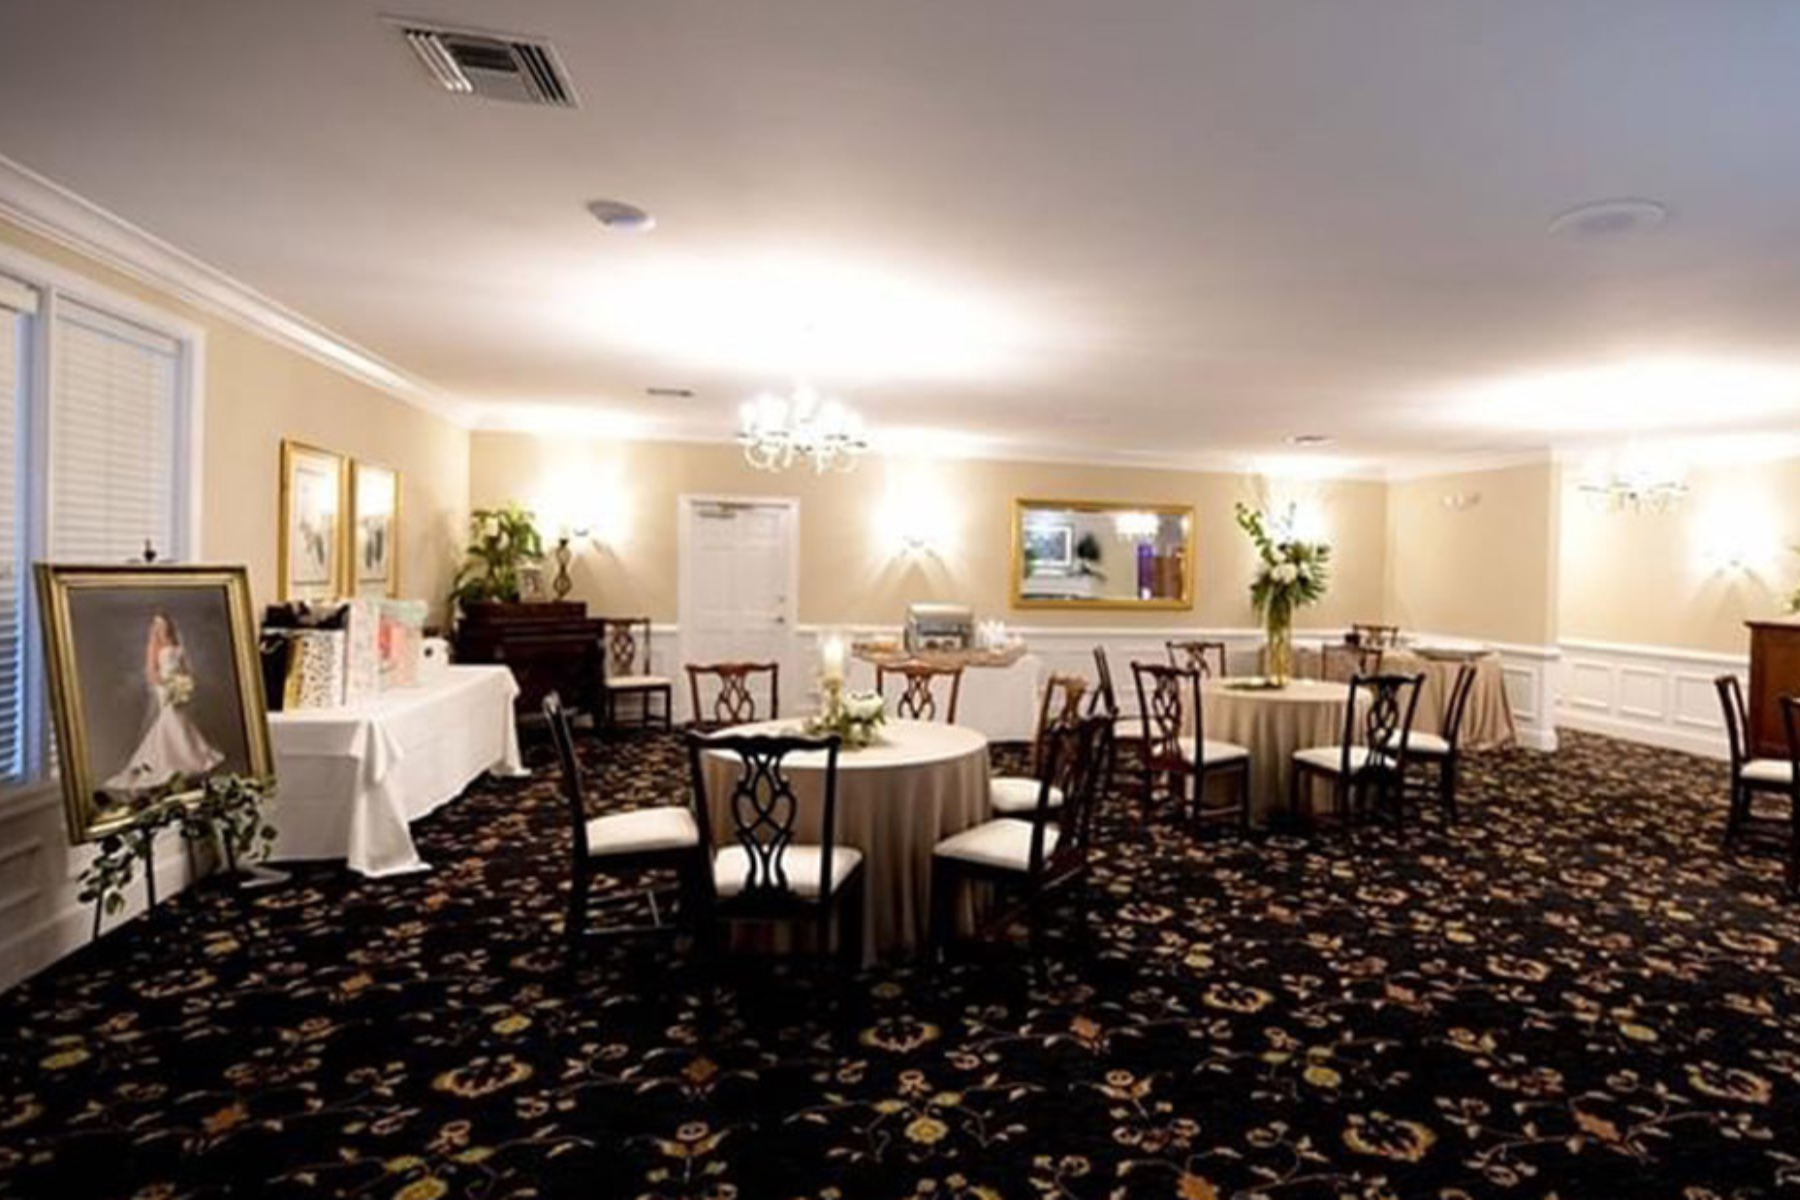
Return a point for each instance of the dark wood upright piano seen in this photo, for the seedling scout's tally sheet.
(552, 646)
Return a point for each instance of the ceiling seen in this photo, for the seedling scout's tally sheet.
(1165, 230)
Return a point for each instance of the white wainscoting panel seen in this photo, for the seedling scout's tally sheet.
(40, 918)
(1653, 694)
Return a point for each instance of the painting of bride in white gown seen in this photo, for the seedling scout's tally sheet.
(154, 683)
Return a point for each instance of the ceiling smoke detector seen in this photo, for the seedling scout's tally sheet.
(670, 393)
(497, 66)
(1607, 219)
(619, 217)
(1308, 439)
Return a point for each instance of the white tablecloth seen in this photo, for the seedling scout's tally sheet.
(1000, 702)
(349, 780)
(896, 800)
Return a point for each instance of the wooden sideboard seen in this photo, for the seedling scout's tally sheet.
(551, 647)
(1774, 673)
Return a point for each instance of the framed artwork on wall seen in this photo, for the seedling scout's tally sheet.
(374, 530)
(154, 680)
(312, 550)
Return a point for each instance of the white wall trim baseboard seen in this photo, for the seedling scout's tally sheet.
(1658, 695)
(48, 209)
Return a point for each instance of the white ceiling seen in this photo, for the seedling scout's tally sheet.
(1159, 228)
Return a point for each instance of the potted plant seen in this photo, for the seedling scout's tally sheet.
(503, 542)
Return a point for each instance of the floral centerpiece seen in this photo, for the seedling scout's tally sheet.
(1291, 575)
(855, 717)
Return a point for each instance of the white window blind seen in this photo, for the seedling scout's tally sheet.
(113, 424)
(16, 305)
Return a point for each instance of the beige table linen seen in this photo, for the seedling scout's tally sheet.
(896, 800)
(1487, 722)
(1272, 725)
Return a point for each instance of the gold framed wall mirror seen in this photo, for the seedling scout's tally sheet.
(1098, 554)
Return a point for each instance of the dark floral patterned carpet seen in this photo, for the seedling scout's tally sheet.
(1569, 993)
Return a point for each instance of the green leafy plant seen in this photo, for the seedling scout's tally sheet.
(224, 812)
(1292, 573)
(502, 542)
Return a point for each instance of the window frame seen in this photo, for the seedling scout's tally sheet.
(53, 284)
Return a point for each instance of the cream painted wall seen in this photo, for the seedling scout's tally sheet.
(258, 392)
(1475, 554)
(853, 569)
(1687, 579)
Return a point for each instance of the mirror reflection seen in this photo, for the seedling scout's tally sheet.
(1091, 554)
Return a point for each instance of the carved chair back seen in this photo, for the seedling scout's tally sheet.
(1208, 658)
(1737, 719)
(918, 699)
(1061, 702)
(763, 810)
(735, 702)
(1382, 637)
(1385, 721)
(1458, 707)
(1167, 697)
(627, 645)
(1075, 750)
(573, 789)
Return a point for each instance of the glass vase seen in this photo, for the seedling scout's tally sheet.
(1278, 649)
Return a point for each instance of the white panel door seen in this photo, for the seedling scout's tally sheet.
(739, 569)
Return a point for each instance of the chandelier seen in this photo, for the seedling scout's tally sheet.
(1637, 482)
(776, 431)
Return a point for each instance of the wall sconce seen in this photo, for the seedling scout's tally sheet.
(914, 518)
(565, 554)
(1459, 501)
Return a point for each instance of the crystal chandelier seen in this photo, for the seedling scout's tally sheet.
(776, 431)
(1637, 482)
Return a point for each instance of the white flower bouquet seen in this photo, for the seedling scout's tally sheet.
(179, 688)
(854, 717)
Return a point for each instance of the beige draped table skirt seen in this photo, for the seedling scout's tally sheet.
(896, 801)
(1487, 722)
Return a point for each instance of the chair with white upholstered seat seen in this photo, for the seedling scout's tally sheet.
(1750, 776)
(1169, 705)
(1039, 853)
(664, 838)
(1442, 750)
(625, 671)
(764, 874)
(1375, 761)
(1015, 795)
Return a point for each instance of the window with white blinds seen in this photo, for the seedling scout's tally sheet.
(93, 463)
(113, 416)
(17, 303)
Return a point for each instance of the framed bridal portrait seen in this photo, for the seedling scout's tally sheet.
(154, 681)
(311, 546)
(374, 530)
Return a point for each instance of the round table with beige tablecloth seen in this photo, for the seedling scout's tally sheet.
(1487, 721)
(1272, 724)
(897, 799)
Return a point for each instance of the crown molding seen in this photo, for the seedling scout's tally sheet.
(43, 207)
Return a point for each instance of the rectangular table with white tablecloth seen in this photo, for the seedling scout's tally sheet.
(350, 780)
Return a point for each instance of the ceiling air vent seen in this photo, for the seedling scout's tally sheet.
(499, 66)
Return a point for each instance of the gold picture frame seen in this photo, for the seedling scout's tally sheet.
(313, 556)
(373, 569)
(154, 676)
(1050, 570)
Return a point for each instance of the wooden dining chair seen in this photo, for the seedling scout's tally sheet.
(1169, 704)
(1750, 776)
(1342, 662)
(625, 671)
(1127, 730)
(1034, 855)
(735, 702)
(1790, 721)
(918, 700)
(764, 874)
(663, 838)
(1366, 771)
(1442, 751)
(1381, 637)
(1011, 795)
(1208, 658)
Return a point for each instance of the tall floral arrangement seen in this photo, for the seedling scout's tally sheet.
(1291, 574)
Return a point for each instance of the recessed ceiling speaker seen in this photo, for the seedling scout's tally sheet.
(1605, 219)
